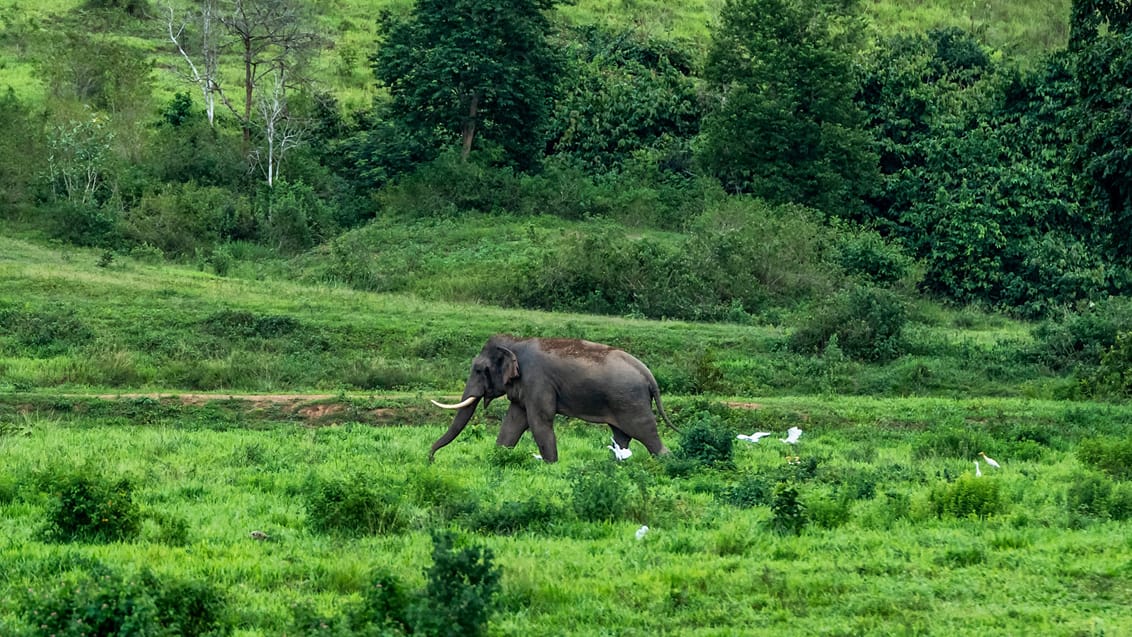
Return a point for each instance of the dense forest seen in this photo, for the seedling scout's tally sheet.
(790, 153)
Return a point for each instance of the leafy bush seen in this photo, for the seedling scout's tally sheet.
(181, 219)
(1113, 376)
(868, 322)
(87, 507)
(513, 516)
(599, 494)
(106, 603)
(788, 512)
(865, 254)
(968, 496)
(244, 324)
(1083, 337)
(1110, 455)
(459, 596)
(707, 443)
(950, 442)
(354, 506)
(44, 333)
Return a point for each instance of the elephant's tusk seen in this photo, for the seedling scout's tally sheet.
(460, 405)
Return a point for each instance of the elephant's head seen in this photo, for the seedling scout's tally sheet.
(493, 370)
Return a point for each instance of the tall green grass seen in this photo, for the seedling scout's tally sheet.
(873, 554)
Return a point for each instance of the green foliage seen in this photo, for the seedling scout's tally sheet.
(459, 596)
(967, 496)
(352, 506)
(1110, 455)
(293, 217)
(867, 322)
(473, 72)
(949, 441)
(182, 219)
(1113, 376)
(234, 324)
(599, 493)
(1082, 338)
(788, 512)
(87, 507)
(622, 93)
(106, 603)
(21, 159)
(44, 332)
(707, 442)
(866, 254)
(1093, 497)
(515, 516)
(1099, 37)
(786, 128)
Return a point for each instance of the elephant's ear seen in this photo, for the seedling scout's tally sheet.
(510, 366)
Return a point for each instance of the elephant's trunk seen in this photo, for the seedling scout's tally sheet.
(458, 424)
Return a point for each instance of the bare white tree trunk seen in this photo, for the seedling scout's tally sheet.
(207, 75)
(280, 132)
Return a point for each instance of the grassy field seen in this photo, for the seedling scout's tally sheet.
(874, 524)
(890, 532)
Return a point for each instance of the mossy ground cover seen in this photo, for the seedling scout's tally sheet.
(874, 551)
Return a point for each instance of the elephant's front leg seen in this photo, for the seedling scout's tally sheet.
(514, 424)
(542, 428)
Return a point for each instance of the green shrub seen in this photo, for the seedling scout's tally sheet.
(968, 496)
(244, 324)
(354, 506)
(788, 512)
(459, 596)
(708, 443)
(868, 322)
(44, 333)
(1082, 337)
(865, 254)
(182, 219)
(750, 491)
(107, 603)
(950, 442)
(87, 507)
(513, 516)
(1113, 376)
(599, 494)
(1110, 455)
(1088, 497)
(385, 605)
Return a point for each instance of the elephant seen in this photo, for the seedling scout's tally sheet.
(547, 376)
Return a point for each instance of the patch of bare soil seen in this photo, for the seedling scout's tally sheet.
(315, 409)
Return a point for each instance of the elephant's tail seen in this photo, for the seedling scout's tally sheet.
(655, 390)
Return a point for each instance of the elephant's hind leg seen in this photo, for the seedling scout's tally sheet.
(643, 428)
(620, 437)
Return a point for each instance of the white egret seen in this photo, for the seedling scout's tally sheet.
(989, 460)
(641, 532)
(792, 436)
(978, 471)
(619, 452)
(755, 437)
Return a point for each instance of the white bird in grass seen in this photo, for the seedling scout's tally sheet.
(755, 437)
(619, 452)
(978, 471)
(641, 532)
(989, 460)
(792, 436)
